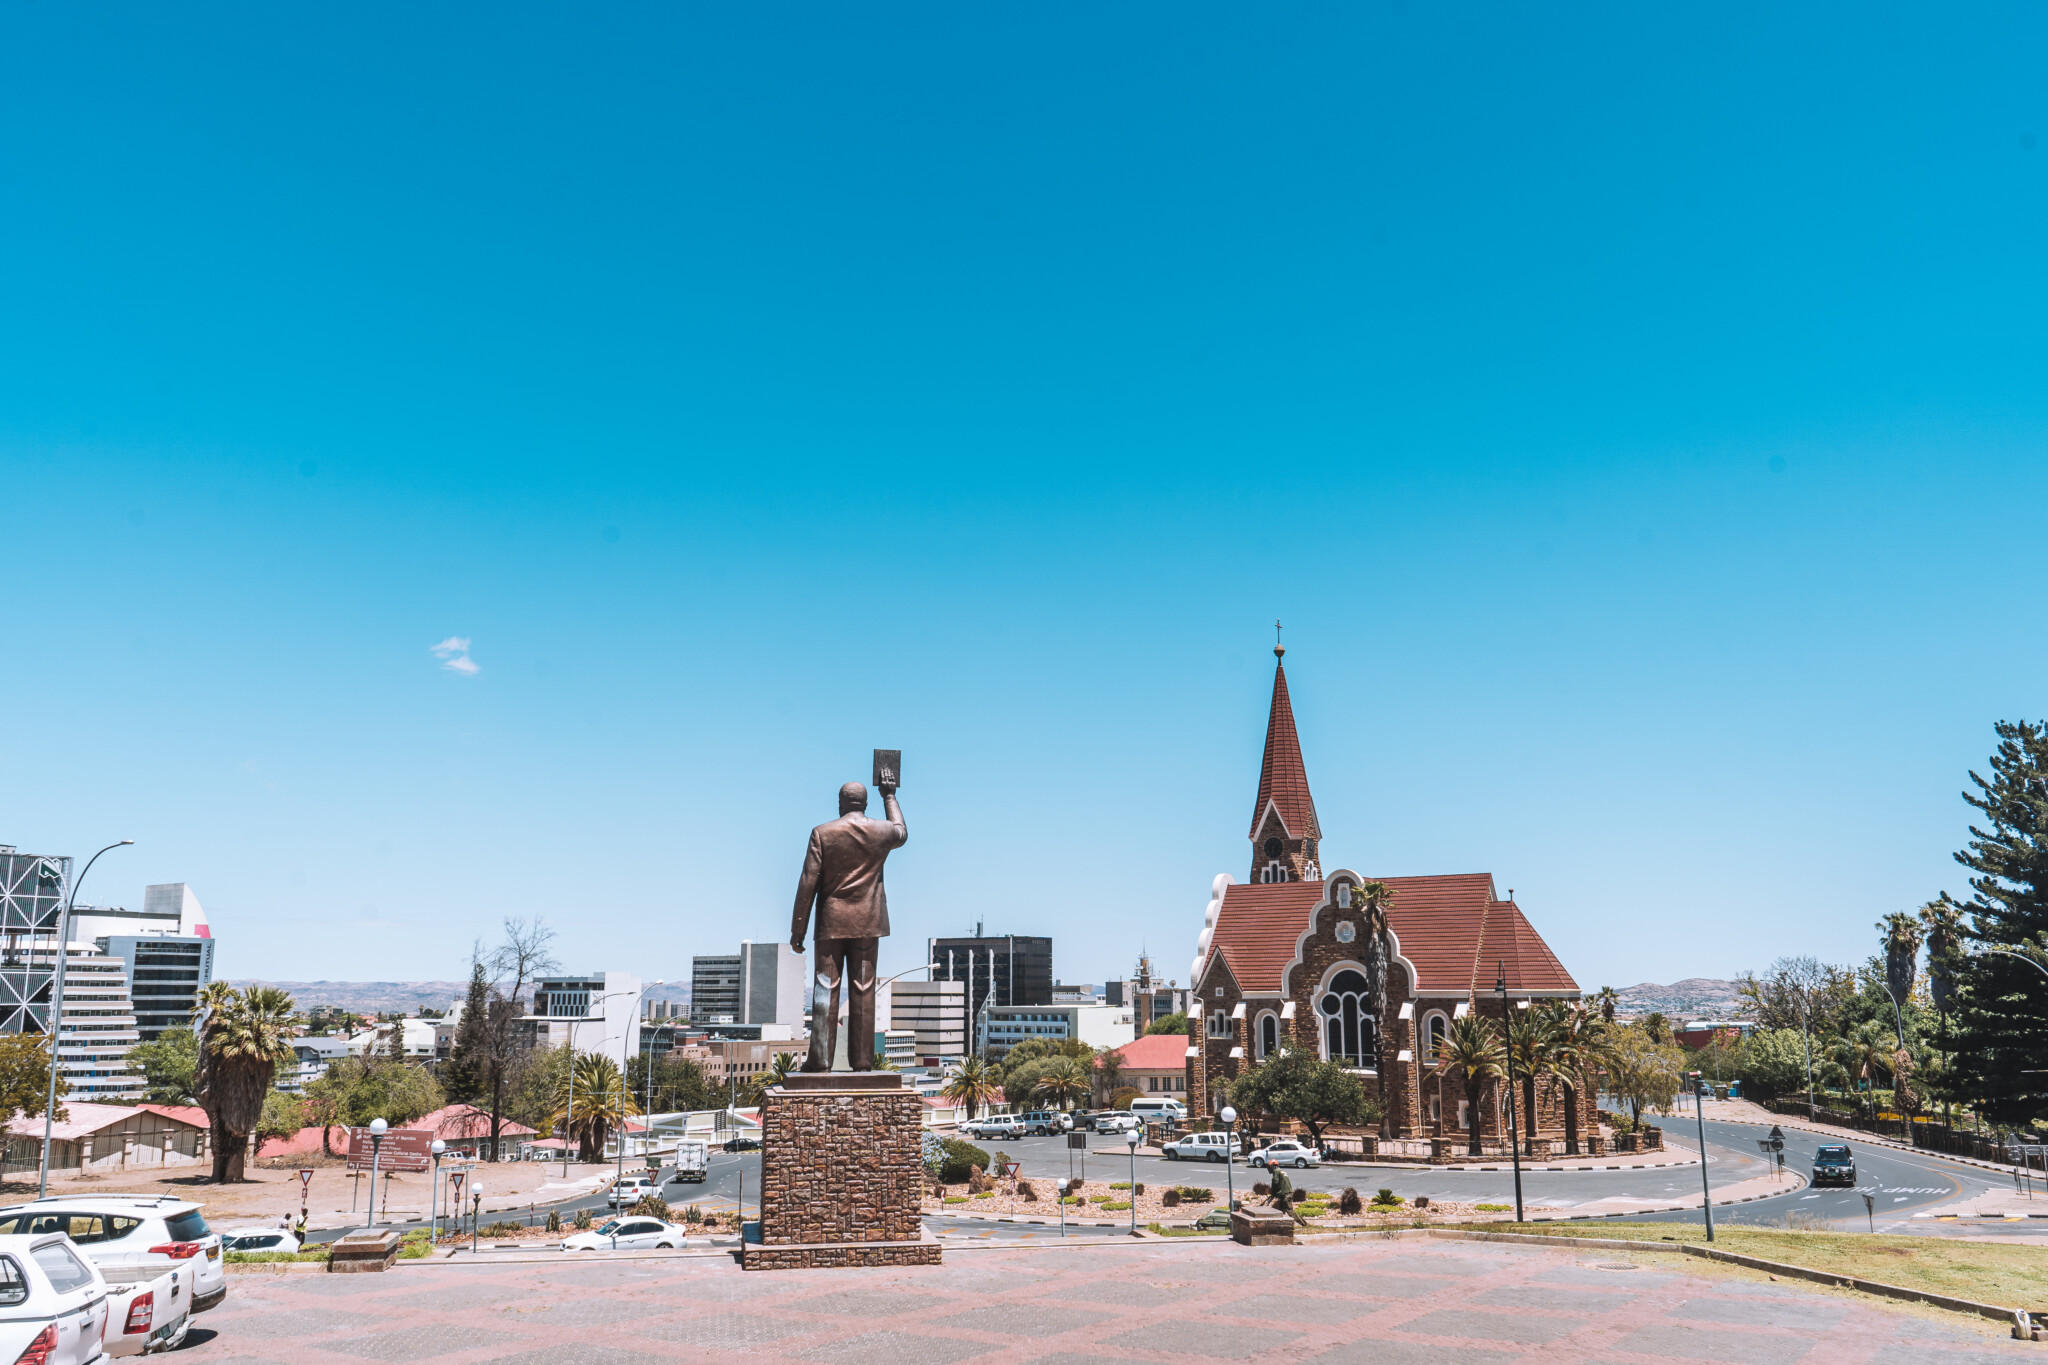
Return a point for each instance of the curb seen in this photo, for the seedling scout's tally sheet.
(1797, 1272)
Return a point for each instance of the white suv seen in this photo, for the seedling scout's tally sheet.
(1286, 1152)
(130, 1236)
(1199, 1147)
(628, 1192)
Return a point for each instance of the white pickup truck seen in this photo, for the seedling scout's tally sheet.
(58, 1308)
(693, 1160)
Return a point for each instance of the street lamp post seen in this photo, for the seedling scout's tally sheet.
(624, 1094)
(569, 1110)
(476, 1209)
(1060, 1187)
(57, 1007)
(1699, 1106)
(377, 1130)
(1229, 1117)
(1500, 985)
(434, 1197)
(1132, 1139)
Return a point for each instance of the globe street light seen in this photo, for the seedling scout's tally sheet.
(1229, 1117)
(1061, 1188)
(57, 1011)
(476, 1207)
(377, 1129)
(434, 1195)
(1132, 1138)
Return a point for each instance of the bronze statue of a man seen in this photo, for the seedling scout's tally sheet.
(843, 876)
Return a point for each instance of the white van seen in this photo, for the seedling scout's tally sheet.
(1158, 1111)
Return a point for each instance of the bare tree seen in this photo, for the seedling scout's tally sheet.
(521, 959)
(1795, 990)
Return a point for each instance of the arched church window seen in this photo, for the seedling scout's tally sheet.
(1269, 1035)
(1348, 1024)
(1275, 872)
(1436, 1030)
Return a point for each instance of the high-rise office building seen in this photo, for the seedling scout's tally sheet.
(598, 1012)
(166, 948)
(999, 971)
(763, 983)
(715, 989)
(96, 1026)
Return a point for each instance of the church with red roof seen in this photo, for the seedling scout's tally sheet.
(1282, 962)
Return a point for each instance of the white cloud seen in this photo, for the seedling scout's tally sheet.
(453, 653)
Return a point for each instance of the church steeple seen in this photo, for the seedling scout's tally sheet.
(1285, 835)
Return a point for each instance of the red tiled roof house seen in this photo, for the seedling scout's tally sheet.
(1278, 963)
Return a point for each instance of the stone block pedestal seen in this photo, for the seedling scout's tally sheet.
(365, 1250)
(1261, 1228)
(841, 1175)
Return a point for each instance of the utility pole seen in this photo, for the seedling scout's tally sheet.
(1500, 985)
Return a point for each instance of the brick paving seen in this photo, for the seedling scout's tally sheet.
(1406, 1302)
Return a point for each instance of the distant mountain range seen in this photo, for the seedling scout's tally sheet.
(1698, 997)
(404, 997)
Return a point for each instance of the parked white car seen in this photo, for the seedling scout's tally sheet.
(1120, 1122)
(259, 1239)
(628, 1192)
(1199, 1147)
(1286, 1153)
(130, 1237)
(627, 1234)
(56, 1307)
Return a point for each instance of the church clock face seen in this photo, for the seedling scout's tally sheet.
(1272, 848)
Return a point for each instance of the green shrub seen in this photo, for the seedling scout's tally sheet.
(554, 1220)
(961, 1159)
(692, 1214)
(1494, 1208)
(1116, 1207)
(1194, 1194)
(1120, 1185)
(956, 1199)
(986, 1194)
(583, 1220)
(504, 1227)
(650, 1206)
(1387, 1199)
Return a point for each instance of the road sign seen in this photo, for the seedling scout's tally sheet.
(403, 1149)
(1078, 1141)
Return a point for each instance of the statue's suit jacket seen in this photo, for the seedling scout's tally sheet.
(843, 875)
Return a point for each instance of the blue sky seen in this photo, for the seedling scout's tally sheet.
(1636, 417)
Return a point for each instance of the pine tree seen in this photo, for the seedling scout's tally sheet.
(2001, 1018)
(464, 1075)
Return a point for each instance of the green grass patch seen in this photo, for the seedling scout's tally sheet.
(1160, 1230)
(1119, 1184)
(1494, 1208)
(986, 1194)
(263, 1257)
(1117, 1207)
(1983, 1272)
(956, 1199)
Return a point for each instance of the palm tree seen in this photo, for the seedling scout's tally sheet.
(1605, 1002)
(245, 1036)
(602, 1104)
(1530, 1040)
(1863, 1055)
(973, 1083)
(777, 1072)
(1575, 1036)
(1064, 1080)
(1471, 1055)
(1901, 958)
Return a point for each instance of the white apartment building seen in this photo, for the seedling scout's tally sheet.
(597, 1012)
(934, 1013)
(1095, 1025)
(96, 1029)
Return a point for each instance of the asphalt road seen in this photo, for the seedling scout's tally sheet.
(1901, 1184)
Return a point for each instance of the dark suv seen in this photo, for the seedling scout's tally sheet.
(1832, 1165)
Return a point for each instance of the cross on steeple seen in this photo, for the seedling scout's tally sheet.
(1278, 649)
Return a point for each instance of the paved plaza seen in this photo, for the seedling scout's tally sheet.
(1401, 1302)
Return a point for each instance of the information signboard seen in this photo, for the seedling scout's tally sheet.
(404, 1149)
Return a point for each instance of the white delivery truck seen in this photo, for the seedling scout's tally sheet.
(693, 1159)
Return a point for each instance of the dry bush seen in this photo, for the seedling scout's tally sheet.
(1171, 1198)
(1349, 1202)
(1027, 1192)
